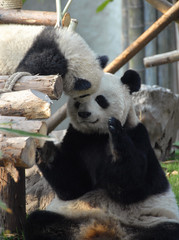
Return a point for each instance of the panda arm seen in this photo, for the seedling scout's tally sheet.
(64, 170)
(134, 172)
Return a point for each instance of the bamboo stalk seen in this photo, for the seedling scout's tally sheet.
(145, 38)
(150, 16)
(135, 29)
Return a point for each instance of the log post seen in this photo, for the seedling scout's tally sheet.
(13, 194)
(145, 38)
(51, 85)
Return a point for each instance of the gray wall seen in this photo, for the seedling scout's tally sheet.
(102, 31)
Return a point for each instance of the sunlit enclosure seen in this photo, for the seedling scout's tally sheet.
(89, 120)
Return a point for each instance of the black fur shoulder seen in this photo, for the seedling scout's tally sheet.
(44, 57)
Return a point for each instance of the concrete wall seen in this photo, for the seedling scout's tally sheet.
(102, 31)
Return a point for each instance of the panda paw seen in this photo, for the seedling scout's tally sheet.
(45, 155)
(115, 126)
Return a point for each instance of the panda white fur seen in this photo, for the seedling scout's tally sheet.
(109, 184)
(45, 51)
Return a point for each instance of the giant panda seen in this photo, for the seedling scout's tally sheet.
(108, 181)
(45, 51)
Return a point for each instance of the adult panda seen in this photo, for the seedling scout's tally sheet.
(108, 181)
(45, 51)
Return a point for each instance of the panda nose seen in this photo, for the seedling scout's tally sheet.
(84, 114)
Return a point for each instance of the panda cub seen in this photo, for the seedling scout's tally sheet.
(47, 51)
(108, 181)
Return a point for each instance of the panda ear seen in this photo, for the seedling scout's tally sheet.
(132, 79)
(103, 60)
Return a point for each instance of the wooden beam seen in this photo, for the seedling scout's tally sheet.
(145, 38)
(161, 5)
(160, 59)
(51, 85)
(56, 118)
(24, 103)
(28, 17)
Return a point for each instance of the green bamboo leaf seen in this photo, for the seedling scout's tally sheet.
(7, 123)
(103, 5)
(27, 134)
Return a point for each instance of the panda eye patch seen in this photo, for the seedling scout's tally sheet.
(77, 104)
(102, 101)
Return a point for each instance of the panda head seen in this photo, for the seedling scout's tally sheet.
(113, 99)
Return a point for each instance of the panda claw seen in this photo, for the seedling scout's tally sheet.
(115, 126)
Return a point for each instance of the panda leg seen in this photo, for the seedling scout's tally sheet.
(45, 225)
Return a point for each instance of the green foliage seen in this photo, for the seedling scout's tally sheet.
(172, 171)
(103, 5)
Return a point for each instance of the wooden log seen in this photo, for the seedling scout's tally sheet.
(13, 194)
(51, 85)
(160, 59)
(145, 38)
(28, 17)
(24, 125)
(24, 103)
(161, 5)
(18, 150)
(56, 118)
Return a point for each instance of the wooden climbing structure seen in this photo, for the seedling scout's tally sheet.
(18, 153)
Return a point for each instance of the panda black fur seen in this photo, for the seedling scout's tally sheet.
(109, 184)
(45, 51)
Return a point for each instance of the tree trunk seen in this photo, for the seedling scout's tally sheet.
(13, 194)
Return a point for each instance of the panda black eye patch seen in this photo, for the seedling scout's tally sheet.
(77, 104)
(102, 101)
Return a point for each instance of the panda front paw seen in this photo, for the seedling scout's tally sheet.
(45, 155)
(115, 126)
